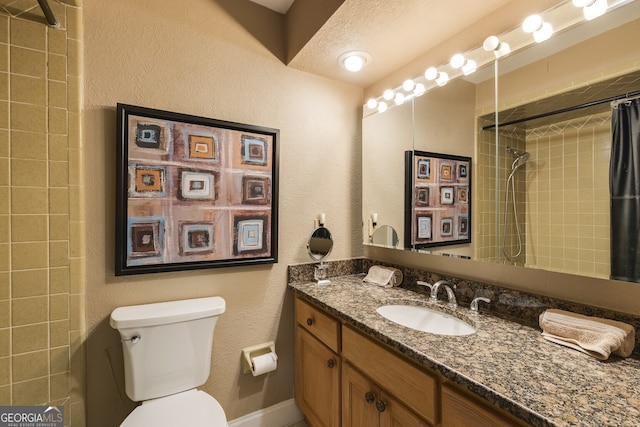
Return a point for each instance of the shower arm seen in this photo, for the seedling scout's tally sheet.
(48, 14)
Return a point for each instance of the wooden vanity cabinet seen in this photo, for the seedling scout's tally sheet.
(318, 365)
(366, 404)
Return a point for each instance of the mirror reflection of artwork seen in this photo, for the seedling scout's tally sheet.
(193, 192)
(437, 207)
(424, 168)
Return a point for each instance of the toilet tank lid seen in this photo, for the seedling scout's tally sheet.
(166, 312)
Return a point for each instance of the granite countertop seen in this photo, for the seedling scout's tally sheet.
(505, 363)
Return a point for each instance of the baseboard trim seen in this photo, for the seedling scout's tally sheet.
(279, 415)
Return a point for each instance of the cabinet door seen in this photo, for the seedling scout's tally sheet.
(317, 381)
(396, 415)
(359, 399)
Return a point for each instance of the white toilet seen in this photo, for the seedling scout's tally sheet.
(167, 354)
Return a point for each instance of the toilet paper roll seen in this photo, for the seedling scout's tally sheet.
(264, 363)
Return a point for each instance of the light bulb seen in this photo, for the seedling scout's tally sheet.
(399, 99)
(457, 60)
(431, 73)
(469, 67)
(372, 103)
(442, 79)
(532, 23)
(382, 107)
(408, 85)
(388, 94)
(594, 9)
(354, 63)
(544, 33)
(419, 90)
(492, 43)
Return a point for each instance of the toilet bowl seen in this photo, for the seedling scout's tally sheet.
(167, 355)
(193, 408)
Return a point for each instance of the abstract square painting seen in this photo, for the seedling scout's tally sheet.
(193, 192)
(437, 199)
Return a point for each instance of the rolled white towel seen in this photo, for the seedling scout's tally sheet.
(591, 335)
(384, 276)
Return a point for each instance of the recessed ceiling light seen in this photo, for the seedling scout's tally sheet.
(354, 60)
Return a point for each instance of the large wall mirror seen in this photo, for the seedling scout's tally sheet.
(541, 181)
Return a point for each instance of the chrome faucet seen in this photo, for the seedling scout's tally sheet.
(474, 304)
(453, 303)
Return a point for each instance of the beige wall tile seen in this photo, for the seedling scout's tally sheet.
(60, 359)
(29, 283)
(74, 98)
(58, 307)
(27, 366)
(29, 201)
(28, 173)
(74, 130)
(58, 174)
(5, 342)
(5, 313)
(58, 148)
(76, 206)
(4, 172)
(58, 280)
(25, 311)
(77, 275)
(58, 121)
(29, 338)
(58, 253)
(28, 145)
(30, 34)
(4, 55)
(5, 391)
(59, 333)
(76, 177)
(5, 284)
(4, 114)
(4, 228)
(4, 143)
(59, 201)
(60, 385)
(76, 305)
(5, 256)
(31, 392)
(57, 94)
(30, 90)
(27, 117)
(27, 61)
(5, 377)
(4, 86)
(57, 69)
(59, 227)
(74, 61)
(29, 255)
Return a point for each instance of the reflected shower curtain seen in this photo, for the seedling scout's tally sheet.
(624, 185)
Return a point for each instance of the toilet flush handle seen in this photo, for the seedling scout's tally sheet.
(133, 340)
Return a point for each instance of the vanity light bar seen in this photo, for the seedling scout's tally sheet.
(558, 18)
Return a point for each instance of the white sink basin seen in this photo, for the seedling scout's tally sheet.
(426, 320)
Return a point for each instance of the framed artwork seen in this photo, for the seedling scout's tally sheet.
(193, 192)
(437, 199)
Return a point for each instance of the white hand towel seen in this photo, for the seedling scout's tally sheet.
(591, 335)
(384, 276)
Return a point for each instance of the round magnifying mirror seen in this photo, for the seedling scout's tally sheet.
(385, 235)
(320, 244)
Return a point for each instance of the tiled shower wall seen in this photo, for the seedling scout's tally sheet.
(42, 329)
(562, 193)
(568, 219)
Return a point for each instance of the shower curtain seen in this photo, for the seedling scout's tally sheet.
(624, 186)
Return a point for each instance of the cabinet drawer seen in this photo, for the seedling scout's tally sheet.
(319, 324)
(462, 410)
(409, 384)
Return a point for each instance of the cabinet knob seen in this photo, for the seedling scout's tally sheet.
(380, 406)
(331, 363)
(309, 321)
(369, 397)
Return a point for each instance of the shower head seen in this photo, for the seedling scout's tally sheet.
(521, 157)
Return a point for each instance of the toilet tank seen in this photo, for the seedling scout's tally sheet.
(167, 345)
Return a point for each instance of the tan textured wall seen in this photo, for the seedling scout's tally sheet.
(42, 327)
(196, 59)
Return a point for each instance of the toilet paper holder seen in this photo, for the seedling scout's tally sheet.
(255, 351)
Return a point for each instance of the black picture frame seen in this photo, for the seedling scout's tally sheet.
(193, 192)
(437, 200)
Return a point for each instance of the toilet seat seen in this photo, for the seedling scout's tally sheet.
(192, 408)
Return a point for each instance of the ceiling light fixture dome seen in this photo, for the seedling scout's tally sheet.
(354, 60)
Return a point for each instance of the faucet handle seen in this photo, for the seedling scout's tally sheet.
(474, 304)
(425, 284)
